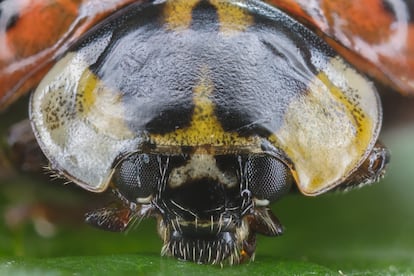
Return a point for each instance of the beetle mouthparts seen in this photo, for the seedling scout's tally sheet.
(232, 242)
(203, 246)
(203, 249)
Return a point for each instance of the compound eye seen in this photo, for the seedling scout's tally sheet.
(137, 176)
(268, 178)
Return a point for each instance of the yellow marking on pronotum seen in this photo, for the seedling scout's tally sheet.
(87, 96)
(325, 135)
(205, 129)
(232, 18)
(362, 122)
(101, 107)
(178, 15)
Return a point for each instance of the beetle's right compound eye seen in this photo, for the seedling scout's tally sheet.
(267, 177)
(137, 176)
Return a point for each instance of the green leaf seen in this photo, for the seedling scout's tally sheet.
(148, 264)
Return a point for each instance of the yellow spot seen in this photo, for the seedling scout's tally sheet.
(205, 129)
(86, 98)
(178, 15)
(101, 107)
(232, 18)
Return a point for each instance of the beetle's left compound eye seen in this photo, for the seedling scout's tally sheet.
(267, 177)
(137, 176)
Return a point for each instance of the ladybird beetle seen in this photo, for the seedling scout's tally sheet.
(201, 113)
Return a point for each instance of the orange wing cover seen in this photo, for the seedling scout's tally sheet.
(34, 32)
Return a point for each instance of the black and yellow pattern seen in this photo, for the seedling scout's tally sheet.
(213, 76)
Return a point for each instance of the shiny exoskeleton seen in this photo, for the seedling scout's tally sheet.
(201, 114)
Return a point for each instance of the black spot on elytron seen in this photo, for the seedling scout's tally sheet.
(11, 21)
(409, 6)
(388, 7)
(205, 17)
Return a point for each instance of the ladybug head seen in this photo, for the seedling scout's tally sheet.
(209, 207)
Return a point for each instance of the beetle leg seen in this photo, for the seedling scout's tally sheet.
(371, 170)
(264, 222)
(115, 219)
(119, 215)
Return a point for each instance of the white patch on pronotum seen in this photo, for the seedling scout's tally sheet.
(200, 166)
